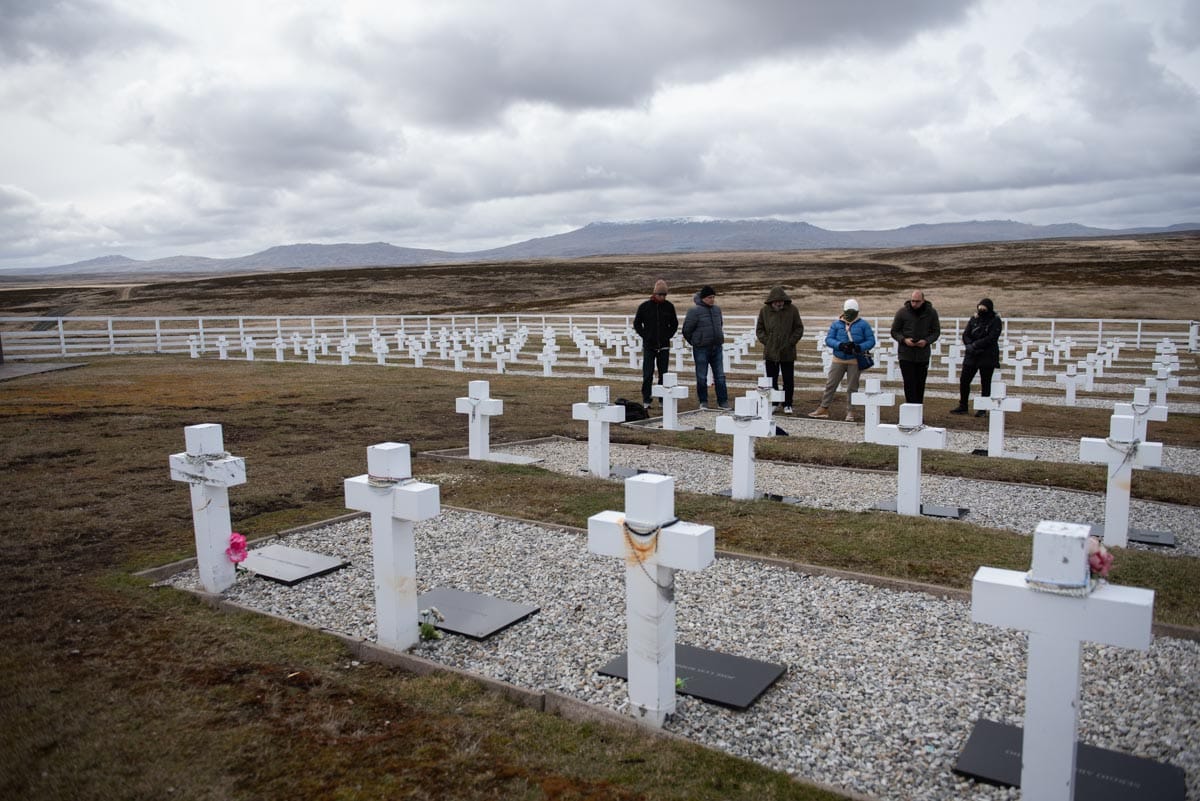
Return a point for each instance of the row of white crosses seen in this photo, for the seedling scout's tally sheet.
(654, 544)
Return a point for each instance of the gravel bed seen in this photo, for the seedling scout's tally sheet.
(1175, 459)
(995, 504)
(881, 690)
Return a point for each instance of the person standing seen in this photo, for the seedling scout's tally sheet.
(779, 328)
(655, 322)
(849, 337)
(915, 327)
(982, 340)
(704, 330)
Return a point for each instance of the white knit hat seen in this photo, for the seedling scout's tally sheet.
(851, 303)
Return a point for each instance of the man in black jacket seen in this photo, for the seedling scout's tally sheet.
(655, 322)
(915, 327)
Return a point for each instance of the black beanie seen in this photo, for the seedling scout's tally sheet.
(707, 290)
(987, 302)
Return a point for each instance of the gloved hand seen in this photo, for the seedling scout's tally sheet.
(846, 347)
(855, 348)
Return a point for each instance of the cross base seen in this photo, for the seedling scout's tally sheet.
(472, 614)
(993, 755)
(728, 493)
(724, 679)
(927, 509)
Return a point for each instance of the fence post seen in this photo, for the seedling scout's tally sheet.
(1193, 336)
(112, 344)
(1139, 335)
(157, 335)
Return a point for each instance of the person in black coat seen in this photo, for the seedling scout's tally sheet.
(982, 340)
(655, 322)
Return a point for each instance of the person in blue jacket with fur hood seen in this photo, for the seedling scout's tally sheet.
(849, 337)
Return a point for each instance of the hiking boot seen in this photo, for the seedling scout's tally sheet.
(959, 409)
(725, 407)
(787, 410)
(820, 412)
(849, 417)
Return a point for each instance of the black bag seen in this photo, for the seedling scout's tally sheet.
(633, 410)
(865, 361)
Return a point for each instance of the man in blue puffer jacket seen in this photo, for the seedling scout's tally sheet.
(704, 330)
(849, 336)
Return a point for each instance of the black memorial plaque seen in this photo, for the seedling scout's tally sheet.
(724, 679)
(472, 614)
(625, 472)
(993, 755)
(1145, 536)
(927, 509)
(290, 566)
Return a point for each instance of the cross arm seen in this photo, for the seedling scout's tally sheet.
(210, 470)
(1110, 615)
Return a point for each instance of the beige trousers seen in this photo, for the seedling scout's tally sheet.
(838, 370)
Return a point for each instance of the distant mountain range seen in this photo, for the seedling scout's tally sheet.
(599, 239)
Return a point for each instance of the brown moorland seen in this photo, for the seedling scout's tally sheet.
(113, 689)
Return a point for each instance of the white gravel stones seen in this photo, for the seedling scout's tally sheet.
(1016, 507)
(882, 687)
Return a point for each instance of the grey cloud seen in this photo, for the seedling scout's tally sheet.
(468, 70)
(31, 228)
(69, 30)
(1110, 60)
(257, 137)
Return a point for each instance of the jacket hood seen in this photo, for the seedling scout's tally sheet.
(778, 294)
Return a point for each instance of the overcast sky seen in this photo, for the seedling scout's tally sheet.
(152, 128)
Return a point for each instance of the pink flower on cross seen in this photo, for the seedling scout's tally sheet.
(237, 548)
(1099, 559)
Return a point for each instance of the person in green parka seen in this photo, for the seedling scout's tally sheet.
(779, 328)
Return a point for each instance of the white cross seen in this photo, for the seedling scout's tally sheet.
(458, 354)
(380, 348)
(670, 391)
(297, 343)
(480, 408)
(768, 396)
(997, 406)
(501, 357)
(1057, 624)
(1040, 357)
(1161, 382)
(653, 545)
(1142, 411)
(873, 398)
(311, 347)
(1120, 453)
(951, 360)
(222, 347)
(193, 347)
(599, 415)
(1071, 380)
(395, 502)
(248, 345)
(745, 425)
(678, 360)
(344, 349)
(910, 436)
(280, 345)
(1019, 372)
(211, 472)
(324, 341)
(547, 358)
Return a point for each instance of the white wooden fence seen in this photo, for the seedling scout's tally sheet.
(32, 338)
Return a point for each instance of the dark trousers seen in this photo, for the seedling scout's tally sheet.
(650, 359)
(968, 375)
(788, 370)
(914, 375)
